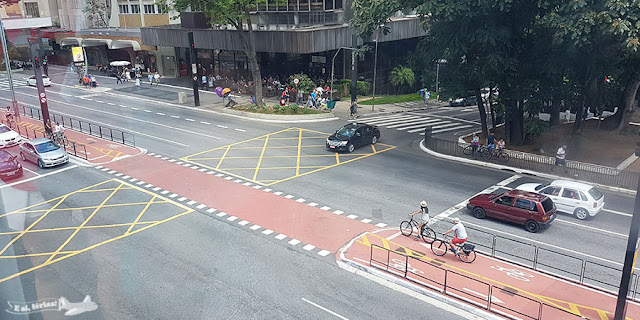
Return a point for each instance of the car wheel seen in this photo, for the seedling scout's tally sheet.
(479, 213)
(350, 147)
(581, 213)
(40, 164)
(374, 140)
(531, 226)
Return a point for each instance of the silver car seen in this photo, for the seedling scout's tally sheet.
(43, 152)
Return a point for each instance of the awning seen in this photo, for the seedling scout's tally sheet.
(92, 42)
(120, 44)
(71, 41)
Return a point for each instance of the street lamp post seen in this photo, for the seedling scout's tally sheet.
(333, 62)
(375, 65)
(438, 62)
(7, 63)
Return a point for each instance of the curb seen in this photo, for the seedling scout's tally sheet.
(429, 296)
(517, 170)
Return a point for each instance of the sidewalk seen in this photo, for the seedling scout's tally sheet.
(489, 283)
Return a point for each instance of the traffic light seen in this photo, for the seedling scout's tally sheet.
(36, 62)
(44, 60)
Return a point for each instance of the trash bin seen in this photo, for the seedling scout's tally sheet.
(331, 104)
(182, 97)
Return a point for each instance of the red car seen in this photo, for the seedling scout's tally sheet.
(532, 210)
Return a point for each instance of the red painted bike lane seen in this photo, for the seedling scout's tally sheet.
(322, 229)
(515, 291)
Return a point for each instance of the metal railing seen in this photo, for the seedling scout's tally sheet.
(596, 275)
(77, 149)
(585, 171)
(474, 291)
(92, 129)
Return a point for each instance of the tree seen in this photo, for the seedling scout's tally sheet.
(401, 77)
(305, 84)
(234, 13)
(96, 11)
(371, 15)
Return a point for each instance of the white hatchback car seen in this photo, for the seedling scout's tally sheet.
(8, 137)
(576, 198)
(46, 81)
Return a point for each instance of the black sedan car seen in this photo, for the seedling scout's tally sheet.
(352, 136)
(9, 166)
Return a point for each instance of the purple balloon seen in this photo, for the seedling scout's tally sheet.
(219, 91)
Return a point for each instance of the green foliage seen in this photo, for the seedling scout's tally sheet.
(369, 15)
(294, 108)
(393, 99)
(534, 128)
(401, 77)
(305, 84)
(364, 87)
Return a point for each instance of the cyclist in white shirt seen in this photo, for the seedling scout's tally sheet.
(58, 131)
(459, 235)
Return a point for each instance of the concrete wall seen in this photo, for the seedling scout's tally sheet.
(150, 20)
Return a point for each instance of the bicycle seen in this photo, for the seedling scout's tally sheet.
(481, 150)
(58, 139)
(406, 228)
(466, 254)
(499, 154)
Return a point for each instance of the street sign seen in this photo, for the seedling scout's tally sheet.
(194, 68)
(296, 81)
(78, 55)
(43, 100)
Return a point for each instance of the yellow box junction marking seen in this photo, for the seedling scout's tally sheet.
(301, 145)
(60, 204)
(571, 307)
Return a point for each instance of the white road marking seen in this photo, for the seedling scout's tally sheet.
(145, 110)
(37, 177)
(221, 126)
(160, 113)
(391, 237)
(624, 236)
(175, 117)
(294, 242)
(324, 309)
(618, 212)
(189, 119)
(134, 108)
(323, 253)
(204, 122)
(241, 130)
(122, 105)
(509, 180)
(484, 296)
(111, 104)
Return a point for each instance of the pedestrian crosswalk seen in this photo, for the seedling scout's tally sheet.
(17, 81)
(417, 122)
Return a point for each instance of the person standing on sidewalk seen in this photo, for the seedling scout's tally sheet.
(353, 109)
(475, 143)
(204, 82)
(560, 158)
(157, 78)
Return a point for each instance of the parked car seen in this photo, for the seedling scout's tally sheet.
(463, 102)
(9, 166)
(8, 137)
(533, 210)
(580, 199)
(46, 81)
(43, 152)
(352, 136)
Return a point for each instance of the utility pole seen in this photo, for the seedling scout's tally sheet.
(43, 59)
(354, 69)
(629, 257)
(42, 96)
(195, 71)
(7, 63)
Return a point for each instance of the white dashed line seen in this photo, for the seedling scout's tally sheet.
(236, 129)
(300, 200)
(98, 101)
(141, 182)
(189, 119)
(160, 114)
(145, 110)
(232, 218)
(255, 227)
(366, 220)
(294, 242)
(203, 122)
(352, 216)
(182, 199)
(133, 180)
(323, 253)
(289, 196)
(338, 212)
(156, 188)
(221, 214)
(191, 203)
(309, 247)
(243, 222)
(175, 117)
(201, 206)
(211, 210)
(134, 108)
(381, 225)
(312, 204)
(325, 208)
(173, 195)
(281, 236)
(267, 232)
(111, 104)
(220, 126)
(122, 105)
(164, 192)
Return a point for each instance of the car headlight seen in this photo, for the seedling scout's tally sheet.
(342, 143)
(327, 140)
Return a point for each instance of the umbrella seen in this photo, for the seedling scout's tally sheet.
(219, 91)
(119, 63)
(225, 91)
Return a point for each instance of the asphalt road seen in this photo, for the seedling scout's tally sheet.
(382, 187)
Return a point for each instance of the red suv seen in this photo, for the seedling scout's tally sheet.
(532, 210)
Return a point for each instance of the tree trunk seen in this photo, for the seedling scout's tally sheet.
(493, 112)
(517, 121)
(483, 113)
(249, 46)
(627, 109)
(555, 111)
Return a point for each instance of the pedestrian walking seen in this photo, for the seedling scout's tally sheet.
(150, 77)
(353, 109)
(475, 143)
(204, 82)
(118, 79)
(560, 158)
(157, 78)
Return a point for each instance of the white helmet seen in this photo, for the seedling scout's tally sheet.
(456, 220)
(423, 203)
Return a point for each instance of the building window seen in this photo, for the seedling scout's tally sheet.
(163, 9)
(149, 8)
(135, 8)
(124, 8)
(31, 10)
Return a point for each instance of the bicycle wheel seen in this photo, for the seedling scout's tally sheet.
(467, 258)
(468, 151)
(503, 157)
(439, 248)
(487, 154)
(64, 141)
(428, 235)
(405, 228)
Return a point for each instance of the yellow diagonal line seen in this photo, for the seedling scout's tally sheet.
(223, 156)
(93, 246)
(98, 190)
(140, 215)
(72, 228)
(93, 207)
(299, 148)
(266, 141)
(33, 255)
(23, 232)
(83, 224)
(233, 144)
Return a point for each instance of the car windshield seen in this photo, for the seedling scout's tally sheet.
(541, 186)
(5, 156)
(346, 132)
(547, 205)
(595, 193)
(46, 147)
(4, 129)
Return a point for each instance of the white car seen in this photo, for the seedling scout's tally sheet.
(571, 197)
(45, 80)
(8, 137)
